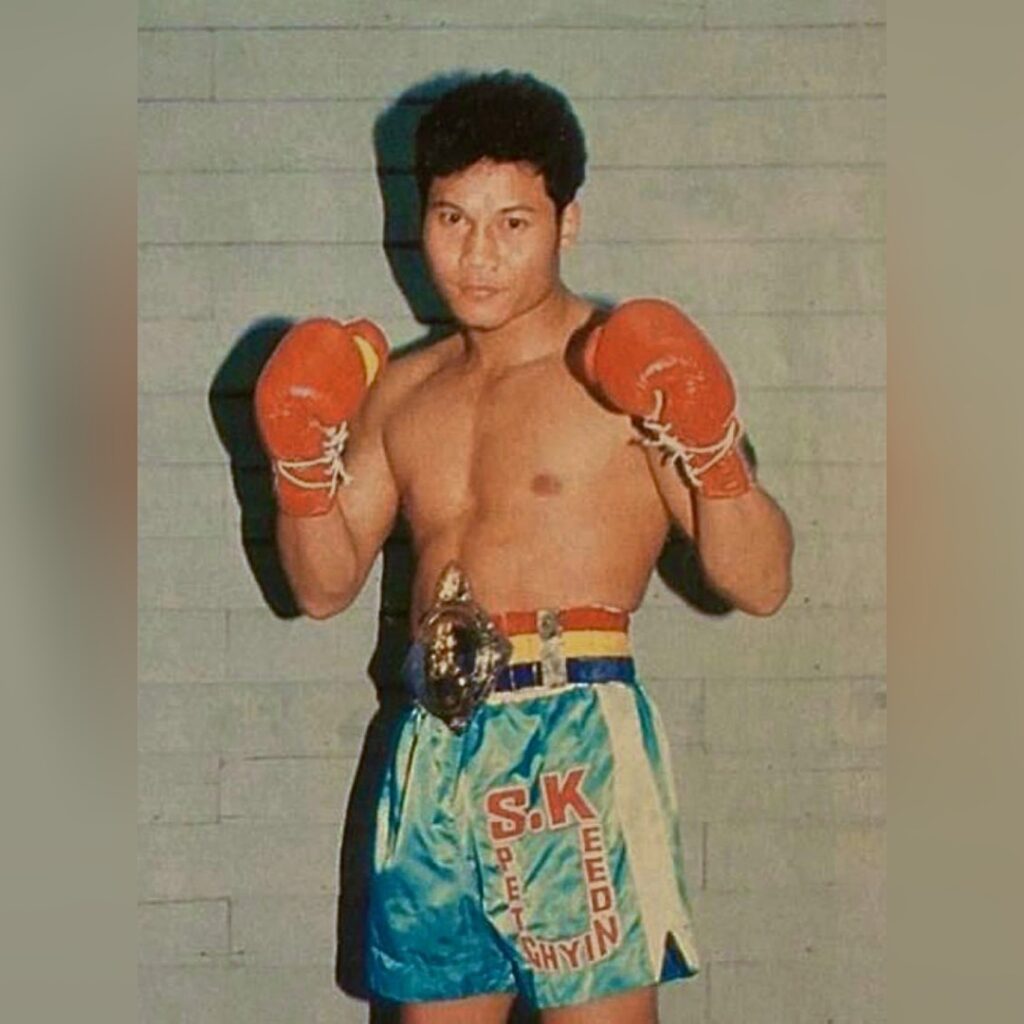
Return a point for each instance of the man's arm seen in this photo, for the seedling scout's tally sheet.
(327, 557)
(745, 543)
(321, 411)
(650, 361)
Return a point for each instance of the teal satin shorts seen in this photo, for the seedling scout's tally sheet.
(537, 852)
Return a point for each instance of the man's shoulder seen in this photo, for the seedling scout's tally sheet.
(410, 373)
(410, 370)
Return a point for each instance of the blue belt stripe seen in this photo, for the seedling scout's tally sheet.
(577, 670)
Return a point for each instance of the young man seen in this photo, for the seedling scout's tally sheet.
(526, 837)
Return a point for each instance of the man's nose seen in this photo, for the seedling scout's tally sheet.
(480, 248)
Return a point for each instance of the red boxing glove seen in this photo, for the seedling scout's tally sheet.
(312, 384)
(651, 361)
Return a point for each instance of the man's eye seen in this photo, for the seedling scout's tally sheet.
(450, 217)
(516, 223)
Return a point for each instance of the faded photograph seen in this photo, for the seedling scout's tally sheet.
(511, 512)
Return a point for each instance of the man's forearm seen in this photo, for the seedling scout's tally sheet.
(321, 561)
(744, 543)
(745, 546)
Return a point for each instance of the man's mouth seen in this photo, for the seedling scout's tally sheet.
(478, 291)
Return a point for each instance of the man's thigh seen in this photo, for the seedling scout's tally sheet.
(488, 1009)
(637, 1006)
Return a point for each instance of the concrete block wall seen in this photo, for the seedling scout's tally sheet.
(737, 151)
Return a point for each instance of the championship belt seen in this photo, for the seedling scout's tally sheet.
(457, 654)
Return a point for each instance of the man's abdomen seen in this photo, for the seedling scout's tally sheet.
(530, 561)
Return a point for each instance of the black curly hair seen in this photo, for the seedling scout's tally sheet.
(507, 117)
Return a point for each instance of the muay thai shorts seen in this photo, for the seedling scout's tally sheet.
(537, 851)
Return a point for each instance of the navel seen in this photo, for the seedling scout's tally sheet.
(546, 484)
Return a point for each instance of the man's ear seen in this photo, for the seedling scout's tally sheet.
(569, 225)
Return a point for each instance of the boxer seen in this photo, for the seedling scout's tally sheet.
(527, 839)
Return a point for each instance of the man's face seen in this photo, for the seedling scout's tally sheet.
(492, 241)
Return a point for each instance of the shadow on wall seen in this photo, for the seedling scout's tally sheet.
(231, 407)
(231, 390)
(394, 135)
(230, 399)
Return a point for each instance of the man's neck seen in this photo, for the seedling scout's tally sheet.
(537, 333)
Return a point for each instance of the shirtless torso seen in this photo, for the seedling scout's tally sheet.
(541, 494)
(501, 458)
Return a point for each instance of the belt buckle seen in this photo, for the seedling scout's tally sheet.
(457, 655)
(553, 670)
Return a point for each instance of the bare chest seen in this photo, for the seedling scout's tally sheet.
(463, 446)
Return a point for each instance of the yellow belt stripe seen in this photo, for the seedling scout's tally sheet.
(577, 643)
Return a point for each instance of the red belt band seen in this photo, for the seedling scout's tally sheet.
(588, 617)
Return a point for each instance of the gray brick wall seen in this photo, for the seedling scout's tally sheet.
(749, 138)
